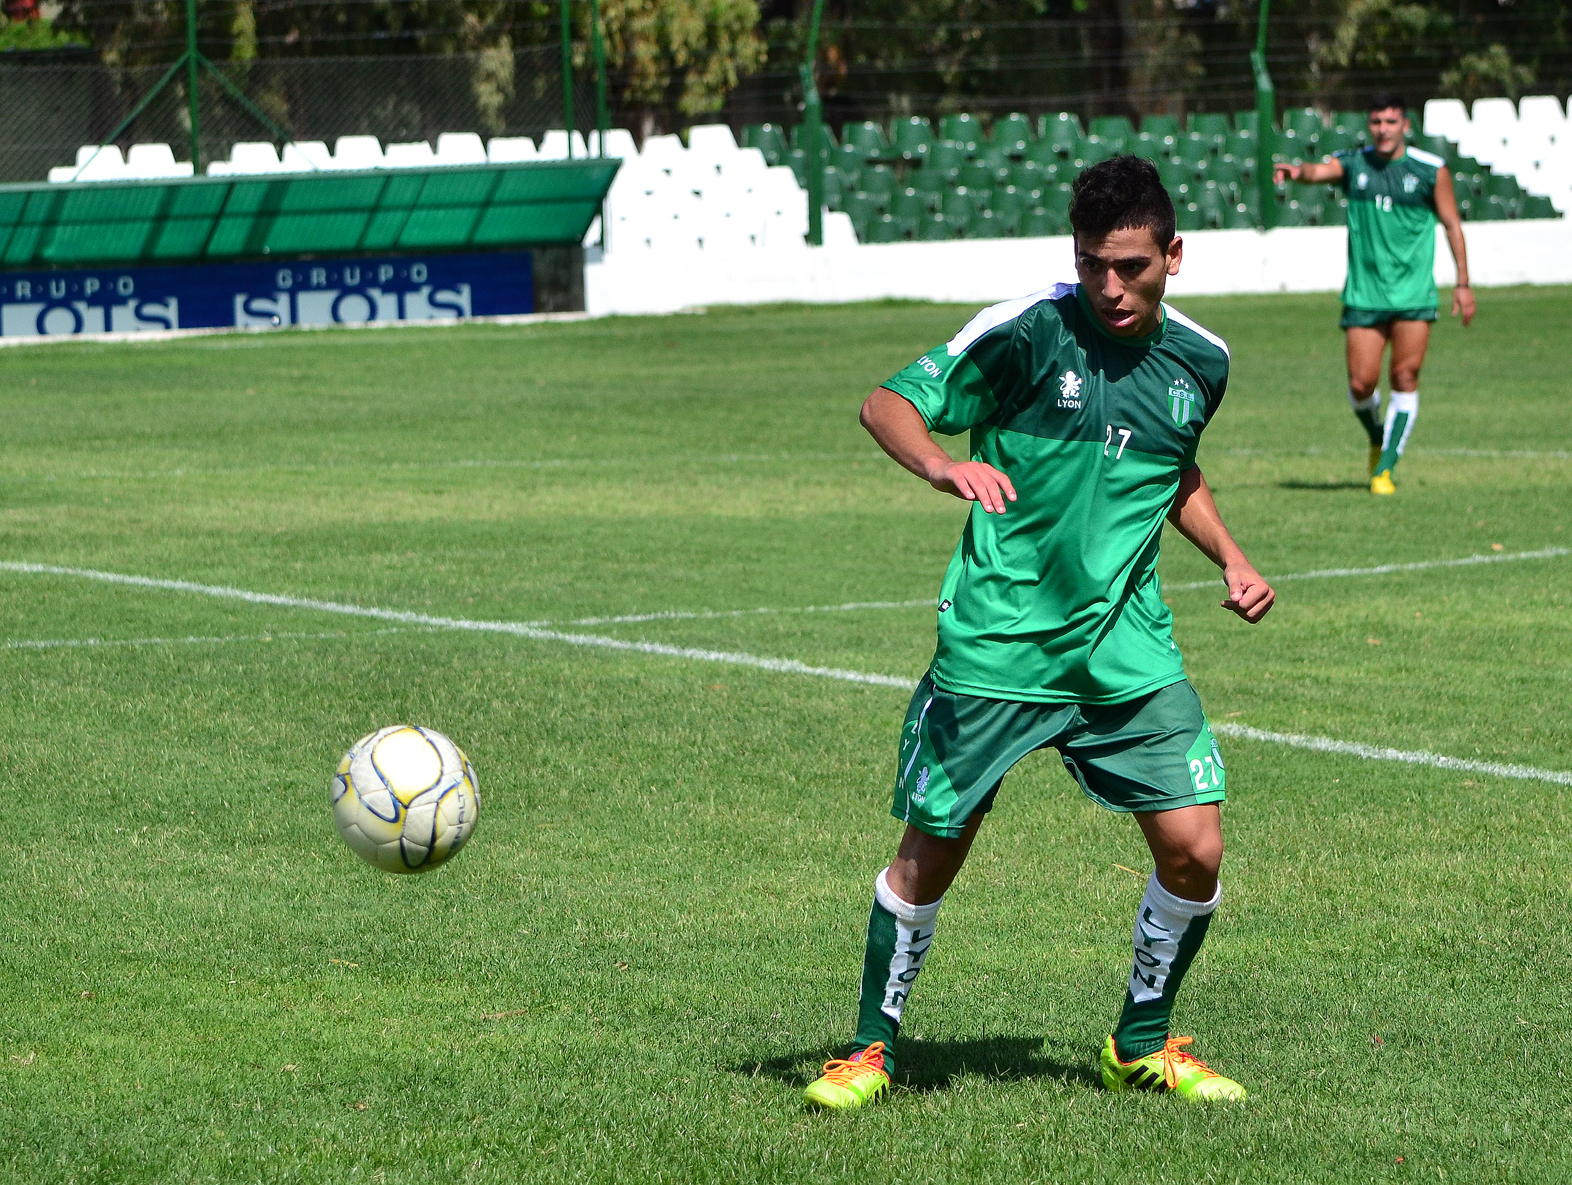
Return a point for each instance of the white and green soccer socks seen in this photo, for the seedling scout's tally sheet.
(899, 935)
(1168, 932)
(1401, 412)
(1368, 412)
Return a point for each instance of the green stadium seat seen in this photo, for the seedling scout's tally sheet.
(1247, 121)
(835, 188)
(909, 206)
(1438, 145)
(1173, 173)
(1056, 200)
(1312, 201)
(1211, 205)
(1355, 123)
(1335, 213)
(913, 137)
(848, 162)
(1012, 134)
(1211, 124)
(1009, 205)
(1239, 217)
(1304, 122)
(826, 133)
(1044, 153)
(1333, 140)
(868, 140)
(985, 224)
(958, 208)
(1240, 146)
(1187, 216)
(964, 129)
(878, 182)
(1160, 127)
(885, 229)
(1115, 129)
(1037, 223)
(769, 139)
(1030, 177)
(1503, 186)
(1194, 149)
(995, 160)
(976, 174)
(797, 159)
(1095, 150)
(1538, 206)
(862, 211)
(1061, 133)
(1148, 147)
(932, 228)
(945, 158)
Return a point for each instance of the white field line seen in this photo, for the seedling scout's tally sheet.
(516, 628)
(1409, 757)
(1489, 454)
(718, 614)
(779, 665)
(190, 640)
(460, 463)
(1468, 561)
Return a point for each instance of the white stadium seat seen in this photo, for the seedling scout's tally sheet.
(357, 152)
(619, 143)
(155, 161)
(460, 148)
(306, 156)
(100, 164)
(506, 150)
(256, 156)
(414, 155)
(1446, 117)
(554, 146)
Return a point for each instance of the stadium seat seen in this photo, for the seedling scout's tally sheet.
(307, 156)
(945, 158)
(913, 137)
(153, 161)
(878, 182)
(508, 149)
(768, 139)
(1009, 205)
(1029, 176)
(835, 188)
(985, 224)
(1149, 147)
(797, 161)
(909, 205)
(1094, 150)
(826, 133)
(260, 156)
(1239, 217)
(838, 231)
(1211, 205)
(1061, 133)
(711, 140)
(1056, 199)
(957, 207)
(867, 139)
(357, 152)
(1187, 216)
(1012, 134)
(1161, 127)
(1240, 146)
(413, 155)
(1444, 117)
(460, 148)
(1335, 213)
(1225, 172)
(1541, 111)
(1212, 124)
(1304, 122)
(935, 228)
(1040, 223)
(884, 229)
(963, 129)
(1538, 206)
(554, 145)
(850, 162)
(98, 164)
(862, 210)
(1115, 129)
(1248, 121)
(1173, 173)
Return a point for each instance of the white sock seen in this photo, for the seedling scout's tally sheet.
(1371, 404)
(1160, 923)
(1401, 403)
(914, 930)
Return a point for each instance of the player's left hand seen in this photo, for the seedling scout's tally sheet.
(1463, 303)
(1248, 594)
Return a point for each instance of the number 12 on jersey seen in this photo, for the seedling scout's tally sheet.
(1124, 439)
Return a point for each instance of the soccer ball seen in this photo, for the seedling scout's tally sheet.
(405, 798)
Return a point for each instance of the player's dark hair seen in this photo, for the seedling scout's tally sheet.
(1382, 100)
(1121, 193)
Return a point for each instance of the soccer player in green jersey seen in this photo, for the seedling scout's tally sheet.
(1395, 195)
(1085, 404)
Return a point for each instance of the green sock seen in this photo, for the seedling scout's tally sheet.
(899, 935)
(1401, 413)
(1168, 932)
(1368, 412)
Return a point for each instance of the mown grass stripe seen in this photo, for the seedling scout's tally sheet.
(1468, 561)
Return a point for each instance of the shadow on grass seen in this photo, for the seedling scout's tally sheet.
(1323, 486)
(935, 1065)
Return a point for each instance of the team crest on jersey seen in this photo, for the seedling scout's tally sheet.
(921, 792)
(1070, 390)
(1363, 180)
(1181, 401)
(1410, 183)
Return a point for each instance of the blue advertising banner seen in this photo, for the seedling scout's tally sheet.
(326, 292)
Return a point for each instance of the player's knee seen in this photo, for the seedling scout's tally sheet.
(1193, 867)
(1361, 388)
(1405, 378)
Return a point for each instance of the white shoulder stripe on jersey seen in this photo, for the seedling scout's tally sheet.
(1423, 157)
(995, 315)
(1189, 324)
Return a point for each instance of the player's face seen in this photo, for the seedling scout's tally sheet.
(1388, 129)
(1124, 276)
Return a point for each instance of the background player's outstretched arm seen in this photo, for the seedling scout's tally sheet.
(901, 431)
(1196, 516)
(1446, 212)
(1313, 173)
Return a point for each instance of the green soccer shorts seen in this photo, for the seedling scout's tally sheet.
(1155, 753)
(1375, 318)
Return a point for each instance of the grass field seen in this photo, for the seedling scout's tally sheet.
(656, 934)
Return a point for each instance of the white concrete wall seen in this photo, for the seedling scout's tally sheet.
(1297, 259)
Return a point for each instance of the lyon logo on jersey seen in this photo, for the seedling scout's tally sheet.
(1070, 390)
(1181, 399)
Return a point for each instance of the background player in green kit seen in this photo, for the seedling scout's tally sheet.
(1395, 194)
(1085, 404)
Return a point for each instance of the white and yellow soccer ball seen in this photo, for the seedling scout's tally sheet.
(405, 798)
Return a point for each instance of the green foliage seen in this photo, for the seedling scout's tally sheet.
(34, 35)
(683, 55)
(1490, 72)
(655, 937)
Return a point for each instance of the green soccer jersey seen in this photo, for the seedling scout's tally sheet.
(1057, 600)
(1391, 229)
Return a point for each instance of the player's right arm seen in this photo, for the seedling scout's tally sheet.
(901, 431)
(1313, 173)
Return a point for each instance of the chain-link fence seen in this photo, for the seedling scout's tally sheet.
(55, 102)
